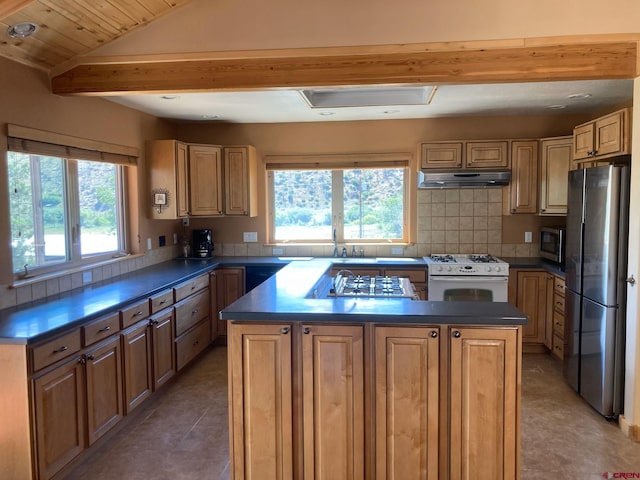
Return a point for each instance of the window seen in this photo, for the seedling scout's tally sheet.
(312, 204)
(65, 209)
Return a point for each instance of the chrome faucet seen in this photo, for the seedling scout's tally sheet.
(335, 244)
(344, 251)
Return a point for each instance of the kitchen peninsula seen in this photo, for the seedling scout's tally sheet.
(353, 387)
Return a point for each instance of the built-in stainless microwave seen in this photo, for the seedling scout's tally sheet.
(552, 243)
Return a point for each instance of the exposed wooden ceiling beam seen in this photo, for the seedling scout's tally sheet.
(586, 61)
(9, 7)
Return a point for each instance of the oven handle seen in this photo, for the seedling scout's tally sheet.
(459, 278)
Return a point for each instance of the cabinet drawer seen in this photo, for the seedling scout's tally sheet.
(558, 285)
(415, 276)
(192, 343)
(191, 311)
(134, 313)
(53, 350)
(187, 288)
(558, 324)
(558, 303)
(558, 347)
(101, 328)
(160, 301)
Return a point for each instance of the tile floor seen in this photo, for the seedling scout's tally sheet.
(182, 432)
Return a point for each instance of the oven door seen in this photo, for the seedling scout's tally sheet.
(467, 289)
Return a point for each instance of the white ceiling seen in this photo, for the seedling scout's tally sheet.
(281, 106)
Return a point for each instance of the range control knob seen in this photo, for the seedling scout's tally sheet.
(448, 269)
(488, 268)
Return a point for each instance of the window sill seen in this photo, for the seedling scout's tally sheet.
(37, 278)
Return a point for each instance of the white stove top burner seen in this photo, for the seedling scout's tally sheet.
(463, 264)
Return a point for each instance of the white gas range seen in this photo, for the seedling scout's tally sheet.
(462, 277)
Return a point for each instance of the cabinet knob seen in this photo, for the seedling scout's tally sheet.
(456, 334)
(285, 330)
(306, 330)
(513, 210)
(90, 357)
(433, 334)
(543, 209)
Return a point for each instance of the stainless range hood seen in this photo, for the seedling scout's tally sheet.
(464, 179)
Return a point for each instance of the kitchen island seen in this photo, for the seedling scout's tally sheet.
(353, 387)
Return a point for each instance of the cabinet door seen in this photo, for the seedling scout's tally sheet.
(104, 388)
(333, 402)
(524, 177)
(182, 180)
(205, 176)
(441, 155)
(163, 346)
(487, 155)
(555, 163)
(583, 146)
(138, 383)
(240, 181)
(609, 134)
(484, 400)
(59, 417)
(548, 315)
(260, 402)
(532, 300)
(229, 287)
(407, 395)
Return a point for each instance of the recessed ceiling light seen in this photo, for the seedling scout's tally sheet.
(169, 97)
(326, 114)
(22, 30)
(556, 107)
(578, 96)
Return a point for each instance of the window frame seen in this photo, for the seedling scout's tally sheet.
(71, 150)
(334, 163)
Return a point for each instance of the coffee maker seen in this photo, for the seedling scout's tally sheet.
(202, 243)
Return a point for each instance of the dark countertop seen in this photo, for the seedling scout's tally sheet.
(284, 298)
(534, 262)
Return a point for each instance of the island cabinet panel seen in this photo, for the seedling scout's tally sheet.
(104, 388)
(333, 402)
(59, 417)
(260, 399)
(484, 391)
(406, 391)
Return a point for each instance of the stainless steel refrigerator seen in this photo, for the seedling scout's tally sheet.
(596, 265)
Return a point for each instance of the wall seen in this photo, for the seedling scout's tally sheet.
(25, 100)
(443, 221)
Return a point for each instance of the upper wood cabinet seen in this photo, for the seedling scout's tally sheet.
(464, 154)
(240, 181)
(202, 180)
(555, 163)
(523, 189)
(438, 155)
(487, 155)
(205, 180)
(603, 137)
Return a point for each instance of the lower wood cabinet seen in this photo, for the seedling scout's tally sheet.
(484, 402)
(229, 285)
(407, 370)
(60, 416)
(104, 387)
(528, 290)
(138, 383)
(163, 347)
(407, 402)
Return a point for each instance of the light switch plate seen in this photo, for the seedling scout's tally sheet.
(87, 277)
(277, 251)
(175, 238)
(250, 236)
(528, 237)
(148, 244)
(397, 250)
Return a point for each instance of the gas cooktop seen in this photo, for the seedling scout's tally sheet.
(346, 284)
(466, 264)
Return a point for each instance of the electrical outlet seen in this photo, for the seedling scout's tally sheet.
(87, 277)
(185, 222)
(148, 244)
(250, 236)
(175, 238)
(277, 251)
(528, 237)
(397, 250)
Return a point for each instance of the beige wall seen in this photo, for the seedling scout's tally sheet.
(490, 234)
(25, 100)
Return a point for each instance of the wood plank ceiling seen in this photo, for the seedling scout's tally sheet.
(68, 28)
